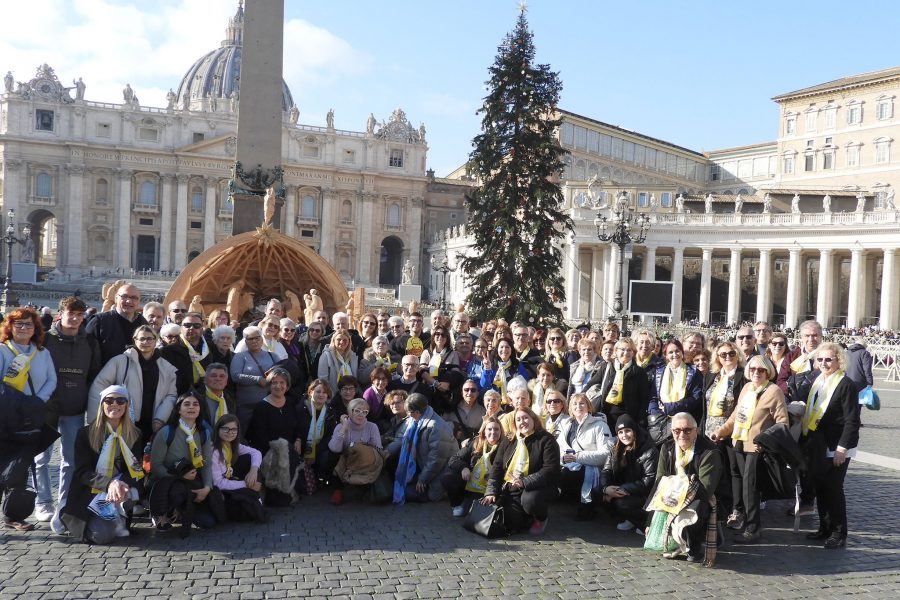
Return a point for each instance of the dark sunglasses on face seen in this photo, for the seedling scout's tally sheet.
(191, 325)
(111, 401)
(729, 354)
(745, 337)
(777, 344)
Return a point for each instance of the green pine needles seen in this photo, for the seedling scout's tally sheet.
(515, 215)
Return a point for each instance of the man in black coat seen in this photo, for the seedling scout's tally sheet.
(115, 328)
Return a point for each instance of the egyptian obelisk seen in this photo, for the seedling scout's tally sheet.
(258, 159)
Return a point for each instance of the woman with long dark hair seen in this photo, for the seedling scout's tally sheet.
(235, 471)
(628, 475)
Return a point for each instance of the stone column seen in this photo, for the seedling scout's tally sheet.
(615, 273)
(123, 233)
(290, 209)
(181, 204)
(734, 287)
(572, 299)
(857, 287)
(764, 285)
(678, 282)
(650, 263)
(794, 283)
(165, 231)
(326, 228)
(825, 295)
(210, 216)
(75, 218)
(597, 305)
(705, 284)
(888, 318)
(364, 247)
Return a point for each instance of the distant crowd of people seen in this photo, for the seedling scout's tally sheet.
(197, 420)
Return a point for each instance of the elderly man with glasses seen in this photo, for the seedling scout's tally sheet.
(409, 379)
(114, 328)
(190, 355)
(746, 342)
(763, 332)
(692, 463)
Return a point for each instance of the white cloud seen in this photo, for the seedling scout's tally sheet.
(315, 56)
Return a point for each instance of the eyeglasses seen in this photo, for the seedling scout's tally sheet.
(174, 310)
(824, 359)
(555, 339)
(111, 401)
(191, 325)
(348, 388)
(757, 369)
(745, 337)
(408, 366)
(132, 298)
(147, 340)
(288, 329)
(554, 401)
(729, 354)
(683, 431)
(777, 344)
(369, 323)
(228, 429)
(470, 390)
(23, 325)
(360, 412)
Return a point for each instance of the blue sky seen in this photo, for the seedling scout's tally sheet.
(699, 74)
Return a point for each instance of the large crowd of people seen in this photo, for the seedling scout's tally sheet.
(196, 420)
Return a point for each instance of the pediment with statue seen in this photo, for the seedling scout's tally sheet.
(45, 85)
(399, 129)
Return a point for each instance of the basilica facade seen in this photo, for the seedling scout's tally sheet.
(118, 186)
(805, 226)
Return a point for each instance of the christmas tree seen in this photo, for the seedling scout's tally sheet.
(514, 215)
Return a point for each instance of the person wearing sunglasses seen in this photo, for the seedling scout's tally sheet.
(558, 355)
(746, 342)
(235, 471)
(443, 373)
(354, 428)
(190, 355)
(149, 378)
(287, 336)
(368, 329)
(829, 436)
(248, 371)
(759, 406)
(721, 396)
(468, 414)
(177, 310)
(107, 460)
(689, 457)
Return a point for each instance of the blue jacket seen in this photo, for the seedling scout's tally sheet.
(693, 394)
(41, 372)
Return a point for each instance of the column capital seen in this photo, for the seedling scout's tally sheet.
(825, 251)
(182, 178)
(765, 252)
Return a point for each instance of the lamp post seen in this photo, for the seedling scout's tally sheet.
(7, 296)
(627, 228)
(443, 267)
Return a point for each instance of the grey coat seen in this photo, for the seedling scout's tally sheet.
(434, 450)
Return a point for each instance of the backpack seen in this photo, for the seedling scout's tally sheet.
(22, 416)
(205, 432)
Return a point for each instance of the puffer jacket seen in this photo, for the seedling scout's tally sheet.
(592, 442)
(77, 361)
(639, 473)
(125, 369)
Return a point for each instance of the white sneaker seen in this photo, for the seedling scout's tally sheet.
(57, 525)
(44, 512)
(121, 529)
(625, 525)
(459, 511)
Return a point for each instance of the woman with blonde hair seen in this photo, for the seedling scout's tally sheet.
(559, 355)
(106, 461)
(468, 470)
(338, 359)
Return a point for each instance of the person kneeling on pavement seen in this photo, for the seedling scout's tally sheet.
(424, 450)
(108, 472)
(525, 475)
(584, 444)
(467, 473)
(629, 474)
(683, 498)
(354, 429)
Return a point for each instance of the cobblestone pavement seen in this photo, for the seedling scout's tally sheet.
(419, 551)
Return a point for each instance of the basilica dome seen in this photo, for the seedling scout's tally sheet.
(214, 80)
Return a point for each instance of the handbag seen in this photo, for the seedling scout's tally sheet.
(659, 425)
(656, 536)
(486, 520)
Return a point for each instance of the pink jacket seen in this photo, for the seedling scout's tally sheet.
(218, 468)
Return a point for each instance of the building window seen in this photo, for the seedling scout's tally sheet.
(830, 117)
(145, 222)
(396, 159)
(853, 156)
(811, 121)
(854, 114)
(829, 140)
(148, 134)
(828, 160)
(393, 215)
(884, 109)
(788, 165)
(104, 130)
(307, 233)
(715, 172)
(196, 224)
(790, 125)
(809, 162)
(880, 198)
(666, 199)
(43, 120)
(197, 200)
(725, 268)
(43, 186)
(101, 196)
(147, 195)
(882, 151)
(810, 143)
(199, 137)
(308, 207)
(310, 151)
(643, 199)
(346, 212)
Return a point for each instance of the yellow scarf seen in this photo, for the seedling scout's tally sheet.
(500, 381)
(196, 454)
(17, 372)
(196, 357)
(228, 457)
(818, 400)
(801, 363)
(434, 364)
(673, 386)
(642, 363)
(524, 353)
(478, 480)
(682, 459)
(554, 358)
(716, 405)
(343, 366)
(518, 466)
(221, 407)
(316, 430)
(614, 396)
(743, 417)
(106, 462)
(386, 364)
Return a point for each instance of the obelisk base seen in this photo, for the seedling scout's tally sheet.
(249, 213)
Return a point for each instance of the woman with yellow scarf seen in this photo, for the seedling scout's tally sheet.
(678, 386)
(106, 461)
(468, 470)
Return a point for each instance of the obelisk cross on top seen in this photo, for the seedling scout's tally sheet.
(257, 171)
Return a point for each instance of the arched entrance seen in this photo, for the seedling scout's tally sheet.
(43, 234)
(391, 262)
